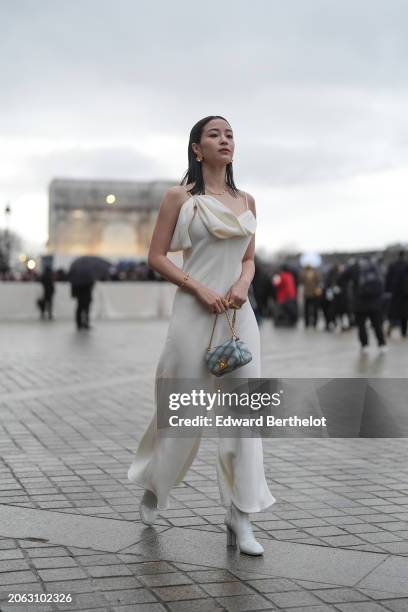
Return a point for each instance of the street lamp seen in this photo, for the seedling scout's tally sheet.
(7, 245)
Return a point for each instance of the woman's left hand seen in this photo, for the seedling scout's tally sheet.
(237, 295)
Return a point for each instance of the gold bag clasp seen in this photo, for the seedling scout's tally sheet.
(222, 363)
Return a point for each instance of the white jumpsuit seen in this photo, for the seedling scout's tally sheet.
(213, 240)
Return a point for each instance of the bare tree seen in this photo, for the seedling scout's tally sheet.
(10, 246)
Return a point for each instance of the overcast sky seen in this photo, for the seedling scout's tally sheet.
(315, 90)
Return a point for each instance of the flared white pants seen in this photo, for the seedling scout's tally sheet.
(160, 462)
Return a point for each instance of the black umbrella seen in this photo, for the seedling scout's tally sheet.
(87, 269)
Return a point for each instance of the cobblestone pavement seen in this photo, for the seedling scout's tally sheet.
(72, 408)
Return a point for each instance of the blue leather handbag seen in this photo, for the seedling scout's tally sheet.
(230, 355)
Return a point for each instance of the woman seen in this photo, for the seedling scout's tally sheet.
(214, 225)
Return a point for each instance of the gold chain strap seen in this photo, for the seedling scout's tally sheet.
(232, 327)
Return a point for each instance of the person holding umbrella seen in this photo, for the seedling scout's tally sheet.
(83, 273)
(83, 294)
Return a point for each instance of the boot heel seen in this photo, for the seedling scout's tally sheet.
(231, 537)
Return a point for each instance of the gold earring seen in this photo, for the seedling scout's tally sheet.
(199, 159)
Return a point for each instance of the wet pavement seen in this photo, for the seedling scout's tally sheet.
(72, 408)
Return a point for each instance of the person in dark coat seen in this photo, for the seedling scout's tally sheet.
(328, 297)
(396, 283)
(342, 300)
(262, 289)
(83, 294)
(335, 302)
(45, 303)
(367, 298)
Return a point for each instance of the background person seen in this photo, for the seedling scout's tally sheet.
(83, 295)
(310, 278)
(396, 284)
(45, 303)
(286, 297)
(367, 289)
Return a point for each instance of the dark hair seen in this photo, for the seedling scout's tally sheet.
(194, 174)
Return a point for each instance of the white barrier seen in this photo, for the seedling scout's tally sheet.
(110, 300)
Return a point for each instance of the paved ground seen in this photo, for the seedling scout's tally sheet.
(72, 407)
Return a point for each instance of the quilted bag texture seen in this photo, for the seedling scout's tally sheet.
(228, 356)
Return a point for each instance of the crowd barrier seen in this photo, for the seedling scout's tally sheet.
(110, 300)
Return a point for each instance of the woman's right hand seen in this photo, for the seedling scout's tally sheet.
(213, 301)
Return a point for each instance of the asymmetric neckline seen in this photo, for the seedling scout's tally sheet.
(205, 195)
(227, 207)
(217, 218)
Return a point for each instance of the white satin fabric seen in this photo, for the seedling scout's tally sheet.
(213, 240)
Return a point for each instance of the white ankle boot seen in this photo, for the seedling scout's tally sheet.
(148, 508)
(239, 529)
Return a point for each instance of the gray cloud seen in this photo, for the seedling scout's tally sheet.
(316, 91)
(161, 45)
(279, 167)
(108, 162)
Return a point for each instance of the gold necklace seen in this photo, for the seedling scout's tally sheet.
(213, 192)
